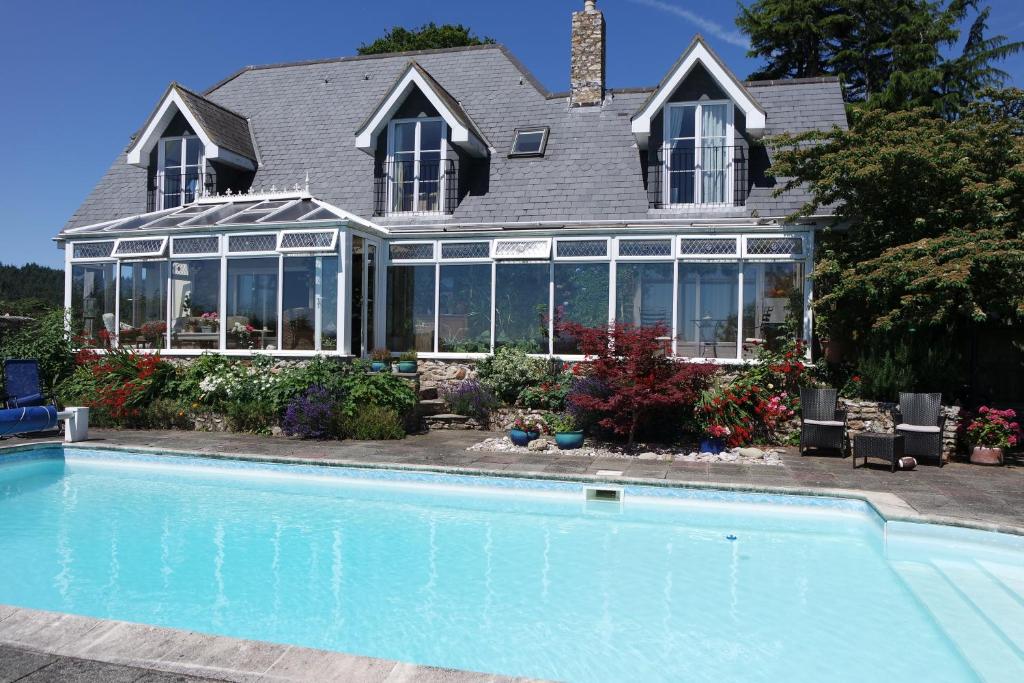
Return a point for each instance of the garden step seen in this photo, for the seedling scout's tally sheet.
(428, 393)
(433, 406)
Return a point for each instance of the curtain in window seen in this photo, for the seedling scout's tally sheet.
(714, 153)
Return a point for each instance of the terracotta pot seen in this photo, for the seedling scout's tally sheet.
(982, 455)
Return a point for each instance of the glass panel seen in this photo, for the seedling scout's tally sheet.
(143, 309)
(430, 135)
(528, 142)
(92, 304)
(521, 306)
(681, 170)
(465, 250)
(371, 296)
(643, 293)
(681, 122)
(356, 287)
(645, 248)
(172, 153)
(773, 304)
(193, 151)
(581, 296)
(405, 136)
(410, 308)
(293, 212)
(92, 249)
(251, 317)
(712, 124)
(298, 304)
(581, 248)
(195, 304)
(708, 310)
(403, 182)
(464, 321)
(329, 303)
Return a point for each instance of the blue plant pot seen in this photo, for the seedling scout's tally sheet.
(709, 445)
(407, 366)
(521, 438)
(378, 366)
(568, 441)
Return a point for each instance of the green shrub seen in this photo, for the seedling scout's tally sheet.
(167, 413)
(47, 341)
(509, 371)
(362, 389)
(373, 423)
(253, 417)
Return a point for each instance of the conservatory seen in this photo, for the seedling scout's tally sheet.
(289, 275)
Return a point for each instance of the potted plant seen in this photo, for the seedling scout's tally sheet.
(714, 441)
(380, 360)
(407, 362)
(525, 429)
(990, 432)
(208, 322)
(563, 425)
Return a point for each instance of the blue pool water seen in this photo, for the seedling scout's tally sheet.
(511, 576)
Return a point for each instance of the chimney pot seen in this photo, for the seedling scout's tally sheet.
(587, 72)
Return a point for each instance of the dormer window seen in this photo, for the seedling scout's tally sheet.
(180, 173)
(698, 154)
(417, 166)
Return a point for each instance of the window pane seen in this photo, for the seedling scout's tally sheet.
(143, 305)
(708, 310)
(681, 170)
(465, 316)
(251, 318)
(193, 151)
(681, 122)
(410, 308)
(773, 304)
(329, 303)
(371, 296)
(430, 135)
(581, 296)
(172, 152)
(528, 142)
(405, 136)
(712, 123)
(195, 293)
(643, 293)
(92, 304)
(521, 306)
(298, 305)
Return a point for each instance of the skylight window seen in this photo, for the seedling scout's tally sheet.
(530, 142)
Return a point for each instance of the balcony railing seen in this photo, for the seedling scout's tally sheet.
(698, 176)
(168, 190)
(415, 187)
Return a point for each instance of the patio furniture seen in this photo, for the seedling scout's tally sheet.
(28, 420)
(22, 385)
(822, 423)
(920, 421)
(883, 446)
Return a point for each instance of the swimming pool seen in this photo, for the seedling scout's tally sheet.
(513, 576)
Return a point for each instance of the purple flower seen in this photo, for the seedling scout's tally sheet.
(310, 415)
(467, 397)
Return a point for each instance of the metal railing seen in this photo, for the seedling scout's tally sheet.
(698, 176)
(415, 187)
(168, 190)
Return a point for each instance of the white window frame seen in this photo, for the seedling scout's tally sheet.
(161, 172)
(433, 252)
(666, 153)
(307, 250)
(734, 256)
(473, 259)
(147, 254)
(245, 254)
(542, 253)
(417, 152)
(562, 240)
(175, 256)
(91, 259)
(545, 131)
(775, 257)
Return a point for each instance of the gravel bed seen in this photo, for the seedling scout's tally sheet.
(543, 445)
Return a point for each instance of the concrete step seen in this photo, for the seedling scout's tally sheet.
(434, 406)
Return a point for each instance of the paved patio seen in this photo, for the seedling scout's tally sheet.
(970, 493)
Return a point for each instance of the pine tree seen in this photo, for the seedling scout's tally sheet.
(427, 37)
(794, 37)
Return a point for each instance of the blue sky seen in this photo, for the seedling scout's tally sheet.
(79, 78)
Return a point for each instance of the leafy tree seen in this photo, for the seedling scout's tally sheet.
(30, 289)
(931, 213)
(427, 37)
(795, 38)
(639, 380)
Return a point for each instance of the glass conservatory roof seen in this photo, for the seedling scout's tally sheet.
(237, 212)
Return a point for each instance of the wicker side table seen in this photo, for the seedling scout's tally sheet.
(883, 446)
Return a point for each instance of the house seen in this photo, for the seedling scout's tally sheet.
(445, 201)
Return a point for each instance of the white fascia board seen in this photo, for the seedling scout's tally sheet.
(138, 154)
(755, 117)
(366, 139)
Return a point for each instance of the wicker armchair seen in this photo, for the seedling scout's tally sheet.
(822, 423)
(921, 422)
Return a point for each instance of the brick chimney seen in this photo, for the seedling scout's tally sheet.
(586, 78)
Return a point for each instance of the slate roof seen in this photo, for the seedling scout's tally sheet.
(304, 117)
(225, 127)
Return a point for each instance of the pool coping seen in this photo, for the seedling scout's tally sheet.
(888, 506)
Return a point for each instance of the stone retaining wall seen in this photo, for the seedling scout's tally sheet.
(878, 416)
